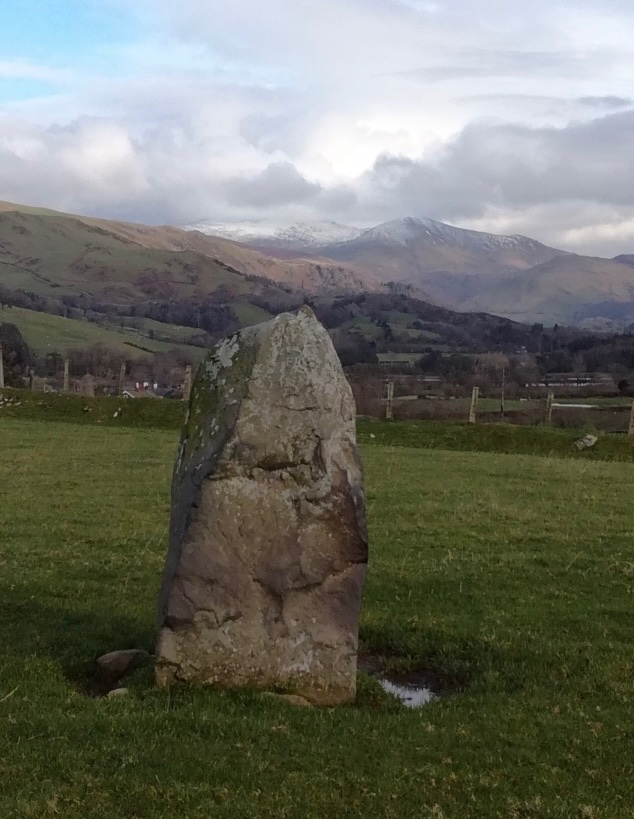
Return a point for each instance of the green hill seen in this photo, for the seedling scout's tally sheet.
(46, 333)
(56, 255)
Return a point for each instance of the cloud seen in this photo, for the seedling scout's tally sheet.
(279, 184)
(606, 102)
(480, 63)
(511, 173)
(70, 167)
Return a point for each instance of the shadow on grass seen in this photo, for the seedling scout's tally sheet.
(76, 634)
(72, 637)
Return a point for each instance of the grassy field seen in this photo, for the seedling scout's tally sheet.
(506, 439)
(512, 576)
(46, 333)
(492, 437)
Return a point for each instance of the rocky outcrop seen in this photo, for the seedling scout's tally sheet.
(268, 544)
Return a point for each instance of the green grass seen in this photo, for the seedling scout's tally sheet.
(500, 438)
(511, 574)
(46, 333)
(167, 414)
(249, 314)
(77, 409)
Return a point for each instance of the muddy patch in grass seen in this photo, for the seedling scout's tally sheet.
(414, 688)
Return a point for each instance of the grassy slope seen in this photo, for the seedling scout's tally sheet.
(46, 333)
(514, 579)
(57, 254)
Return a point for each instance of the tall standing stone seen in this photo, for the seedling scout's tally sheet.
(268, 542)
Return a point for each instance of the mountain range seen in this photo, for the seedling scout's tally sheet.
(70, 282)
(68, 257)
(513, 276)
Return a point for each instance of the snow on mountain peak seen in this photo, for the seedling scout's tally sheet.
(315, 234)
(401, 232)
(396, 233)
(301, 234)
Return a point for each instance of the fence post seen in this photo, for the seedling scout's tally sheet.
(389, 405)
(475, 395)
(502, 399)
(31, 379)
(187, 386)
(1, 369)
(88, 385)
(630, 429)
(549, 408)
(66, 387)
(122, 378)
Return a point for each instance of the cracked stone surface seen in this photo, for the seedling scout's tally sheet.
(268, 542)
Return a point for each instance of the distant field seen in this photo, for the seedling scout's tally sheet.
(249, 314)
(510, 575)
(46, 333)
(482, 437)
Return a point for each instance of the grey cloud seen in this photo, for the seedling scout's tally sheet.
(545, 181)
(481, 63)
(279, 184)
(275, 132)
(606, 102)
(511, 166)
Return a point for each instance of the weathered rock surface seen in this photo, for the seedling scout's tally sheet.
(119, 663)
(268, 543)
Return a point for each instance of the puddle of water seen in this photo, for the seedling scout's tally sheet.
(412, 696)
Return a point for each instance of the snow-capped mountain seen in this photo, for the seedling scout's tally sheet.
(407, 231)
(303, 235)
(465, 269)
(449, 263)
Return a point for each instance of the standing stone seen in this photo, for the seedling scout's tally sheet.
(268, 542)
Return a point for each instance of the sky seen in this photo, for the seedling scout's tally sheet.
(496, 115)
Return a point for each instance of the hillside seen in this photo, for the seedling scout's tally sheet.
(46, 333)
(44, 251)
(568, 289)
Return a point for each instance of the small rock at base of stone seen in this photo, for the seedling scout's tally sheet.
(118, 692)
(119, 663)
(289, 699)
